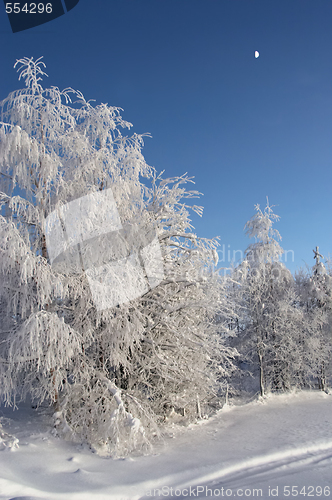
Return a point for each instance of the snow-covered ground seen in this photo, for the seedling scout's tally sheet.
(258, 450)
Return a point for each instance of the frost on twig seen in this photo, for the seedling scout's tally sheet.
(30, 71)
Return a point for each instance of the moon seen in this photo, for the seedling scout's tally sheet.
(256, 53)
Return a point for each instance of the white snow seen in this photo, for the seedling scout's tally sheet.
(285, 440)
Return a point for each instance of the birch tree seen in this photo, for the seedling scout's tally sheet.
(271, 321)
(107, 295)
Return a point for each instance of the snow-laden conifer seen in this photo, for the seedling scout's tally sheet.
(314, 290)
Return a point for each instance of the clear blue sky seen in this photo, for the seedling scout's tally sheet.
(185, 71)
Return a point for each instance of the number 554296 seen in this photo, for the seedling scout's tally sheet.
(28, 8)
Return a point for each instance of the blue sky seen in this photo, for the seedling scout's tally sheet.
(185, 71)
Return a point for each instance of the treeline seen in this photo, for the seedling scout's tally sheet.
(283, 325)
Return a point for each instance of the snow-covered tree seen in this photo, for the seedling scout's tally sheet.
(314, 290)
(107, 297)
(270, 318)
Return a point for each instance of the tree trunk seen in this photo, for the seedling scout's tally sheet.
(56, 392)
(261, 371)
(198, 407)
(322, 378)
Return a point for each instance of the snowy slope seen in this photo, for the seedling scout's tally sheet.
(255, 450)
